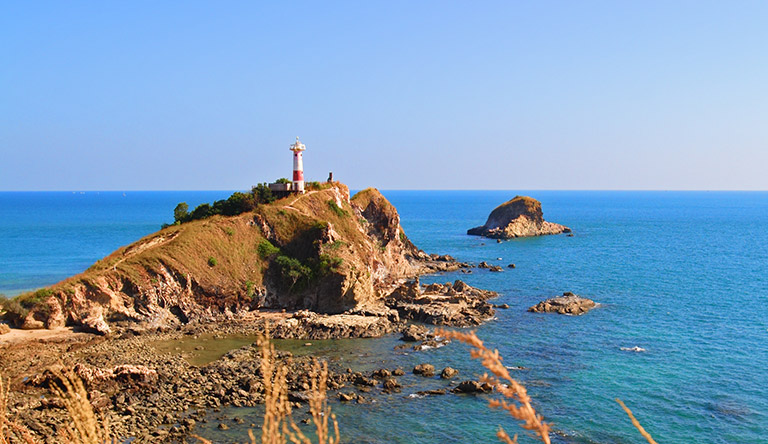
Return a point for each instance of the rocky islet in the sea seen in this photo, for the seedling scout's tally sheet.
(519, 217)
(568, 304)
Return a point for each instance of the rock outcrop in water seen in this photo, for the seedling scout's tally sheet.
(322, 251)
(568, 304)
(519, 217)
(456, 304)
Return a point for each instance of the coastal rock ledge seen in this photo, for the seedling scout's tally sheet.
(519, 217)
(567, 304)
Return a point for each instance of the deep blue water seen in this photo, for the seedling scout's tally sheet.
(683, 275)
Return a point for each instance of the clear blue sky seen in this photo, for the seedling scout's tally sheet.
(133, 95)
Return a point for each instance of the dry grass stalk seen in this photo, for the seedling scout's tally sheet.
(318, 407)
(278, 426)
(277, 407)
(10, 429)
(85, 427)
(520, 407)
(636, 423)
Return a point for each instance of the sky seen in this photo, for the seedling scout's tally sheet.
(147, 95)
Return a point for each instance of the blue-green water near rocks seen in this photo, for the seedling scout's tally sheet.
(684, 275)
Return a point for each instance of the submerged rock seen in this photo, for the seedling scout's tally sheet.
(519, 217)
(473, 387)
(568, 303)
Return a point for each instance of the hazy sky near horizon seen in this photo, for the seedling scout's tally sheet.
(144, 95)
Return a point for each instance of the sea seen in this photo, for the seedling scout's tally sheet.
(680, 334)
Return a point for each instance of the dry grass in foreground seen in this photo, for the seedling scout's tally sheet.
(508, 387)
(10, 430)
(278, 426)
(520, 406)
(636, 423)
(84, 426)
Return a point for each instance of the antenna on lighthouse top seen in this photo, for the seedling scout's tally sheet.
(298, 146)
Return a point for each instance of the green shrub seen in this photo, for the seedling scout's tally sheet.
(230, 232)
(320, 225)
(29, 300)
(336, 245)
(212, 262)
(249, 289)
(327, 263)
(235, 204)
(13, 311)
(181, 212)
(202, 211)
(262, 194)
(283, 180)
(293, 273)
(336, 208)
(266, 249)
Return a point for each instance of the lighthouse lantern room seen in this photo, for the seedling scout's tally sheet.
(298, 166)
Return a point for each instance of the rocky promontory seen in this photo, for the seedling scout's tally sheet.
(519, 217)
(323, 251)
(567, 304)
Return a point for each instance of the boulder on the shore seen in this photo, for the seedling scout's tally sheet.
(414, 333)
(4, 329)
(568, 304)
(519, 217)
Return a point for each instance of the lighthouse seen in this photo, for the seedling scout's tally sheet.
(298, 166)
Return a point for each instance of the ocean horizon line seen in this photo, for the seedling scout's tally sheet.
(616, 190)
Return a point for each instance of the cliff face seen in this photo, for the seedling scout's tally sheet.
(320, 251)
(519, 217)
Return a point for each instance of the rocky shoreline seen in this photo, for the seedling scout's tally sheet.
(159, 397)
(321, 266)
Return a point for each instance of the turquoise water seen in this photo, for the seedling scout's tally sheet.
(683, 275)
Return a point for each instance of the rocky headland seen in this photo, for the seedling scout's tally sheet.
(567, 304)
(322, 251)
(520, 217)
(314, 266)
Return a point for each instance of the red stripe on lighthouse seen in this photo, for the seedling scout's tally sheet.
(298, 175)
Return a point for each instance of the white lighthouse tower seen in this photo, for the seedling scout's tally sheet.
(298, 166)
